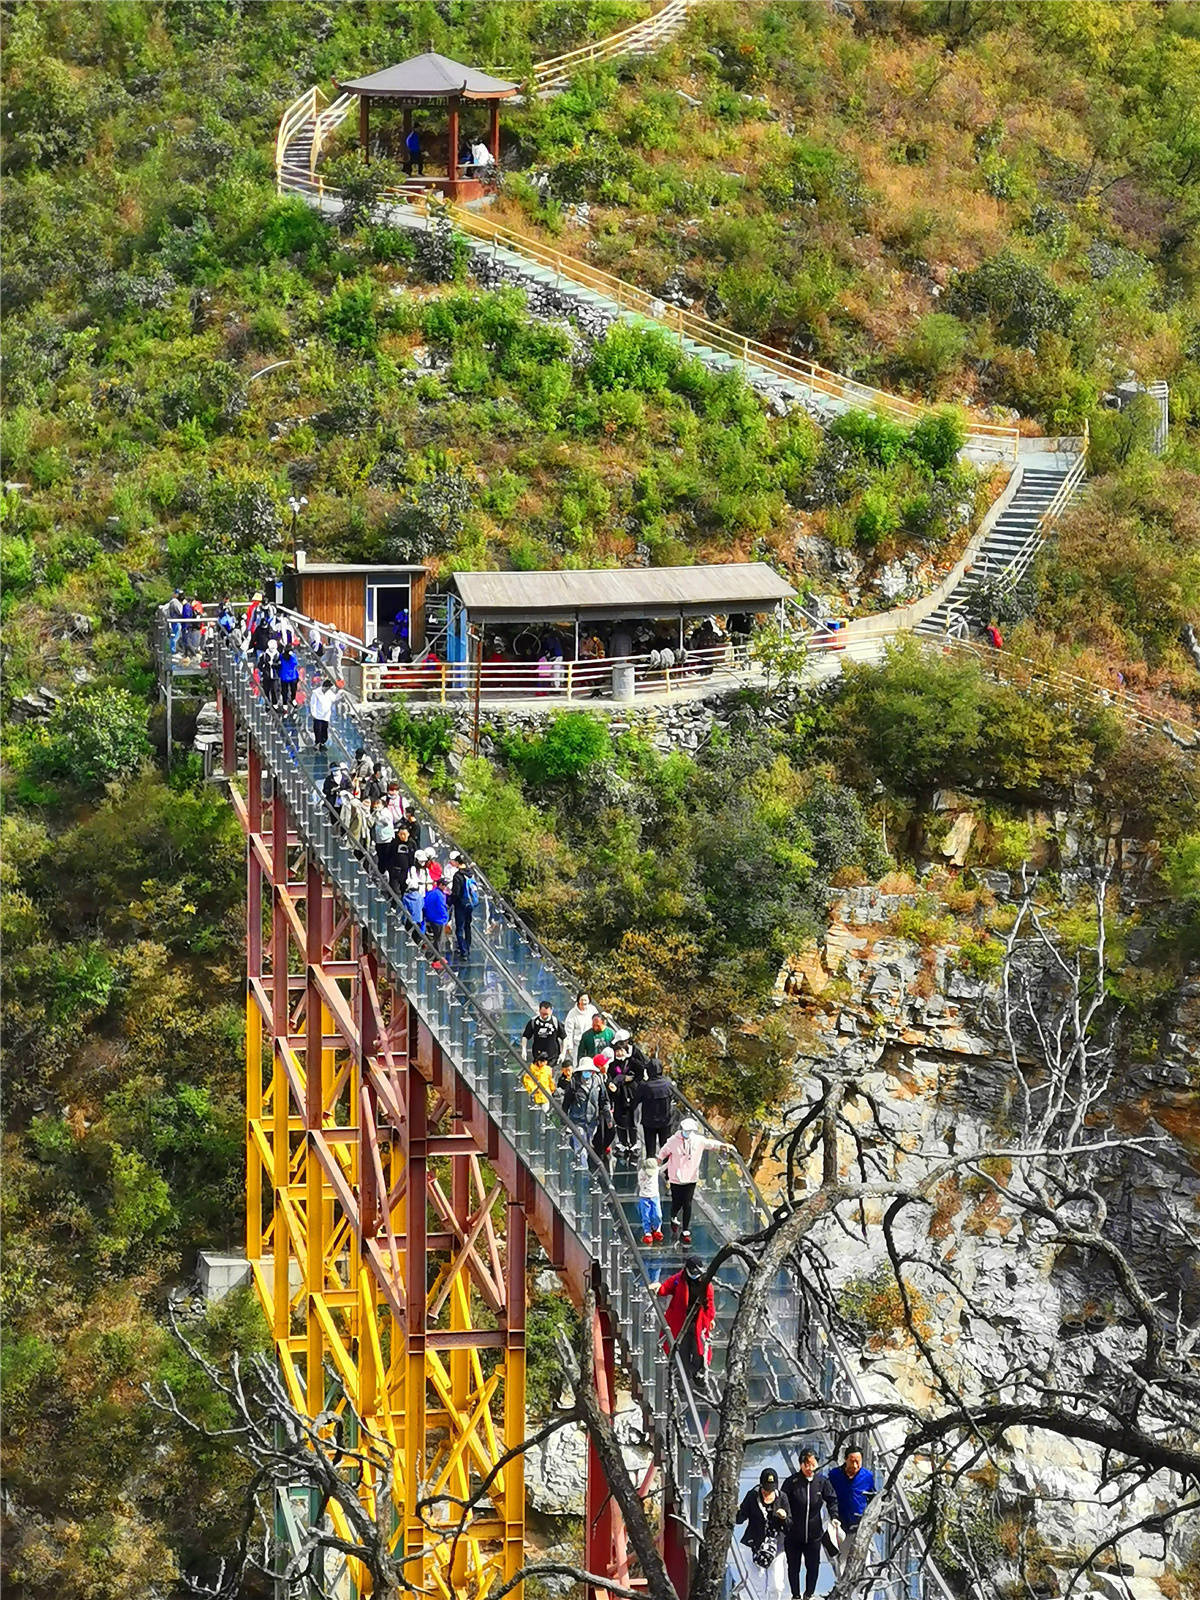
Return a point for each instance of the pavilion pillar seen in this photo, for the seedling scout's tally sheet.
(452, 135)
(495, 135)
(364, 125)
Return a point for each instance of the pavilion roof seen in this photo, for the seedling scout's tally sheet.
(430, 77)
(623, 592)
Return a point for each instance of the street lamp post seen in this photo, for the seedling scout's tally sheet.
(295, 507)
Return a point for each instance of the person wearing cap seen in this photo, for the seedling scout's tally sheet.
(681, 1291)
(765, 1512)
(586, 1101)
(416, 885)
(682, 1155)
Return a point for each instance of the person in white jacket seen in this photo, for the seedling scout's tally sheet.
(575, 1024)
(320, 705)
(682, 1155)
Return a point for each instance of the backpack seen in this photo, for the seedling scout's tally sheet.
(470, 891)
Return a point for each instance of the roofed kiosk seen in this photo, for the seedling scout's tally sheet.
(428, 82)
(747, 586)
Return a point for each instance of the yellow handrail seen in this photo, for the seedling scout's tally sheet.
(739, 346)
(612, 44)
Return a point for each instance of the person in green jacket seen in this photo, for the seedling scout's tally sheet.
(594, 1038)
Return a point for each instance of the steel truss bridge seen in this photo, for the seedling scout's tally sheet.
(396, 1165)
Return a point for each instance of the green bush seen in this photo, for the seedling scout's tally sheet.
(871, 435)
(642, 359)
(290, 227)
(360, 184)
(877, 517)
(934, 348)
(94, 738)
(349, 318)
(936, 439)
(573, 744)
(428, 738)
(1018, 296)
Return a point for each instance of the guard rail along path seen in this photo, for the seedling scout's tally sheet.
(305, 129)
(390, 1128)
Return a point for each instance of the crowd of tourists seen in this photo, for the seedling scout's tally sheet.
(619, 1100)
(789, 1526)
(438, 899)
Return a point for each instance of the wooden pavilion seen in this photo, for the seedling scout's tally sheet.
(432, 82)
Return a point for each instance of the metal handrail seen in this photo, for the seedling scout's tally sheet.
(549, 73)
(1071, 685)
(684, 325)
(385, 925)
(1019, 561)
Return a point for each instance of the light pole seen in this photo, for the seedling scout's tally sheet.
(295, 506)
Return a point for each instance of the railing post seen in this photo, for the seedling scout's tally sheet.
(443, 675)
(570, 678)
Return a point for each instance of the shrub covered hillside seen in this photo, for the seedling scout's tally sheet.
(977, 198)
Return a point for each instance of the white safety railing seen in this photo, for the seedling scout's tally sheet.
(1019, 562)
(611, 677)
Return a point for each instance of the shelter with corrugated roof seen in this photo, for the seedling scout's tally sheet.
(429, 83)
(608, 631)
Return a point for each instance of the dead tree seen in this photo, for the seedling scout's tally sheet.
(846, 1168)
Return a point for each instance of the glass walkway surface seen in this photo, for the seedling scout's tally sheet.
(476, 1010)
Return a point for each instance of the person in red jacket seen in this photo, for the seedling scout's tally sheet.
(680, 1290)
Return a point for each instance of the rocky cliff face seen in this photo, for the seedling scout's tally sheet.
(926, 1038)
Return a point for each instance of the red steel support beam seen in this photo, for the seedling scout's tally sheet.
(604, 1531)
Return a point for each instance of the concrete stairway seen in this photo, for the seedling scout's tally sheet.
(1009, 547)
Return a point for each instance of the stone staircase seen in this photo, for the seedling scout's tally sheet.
(1010, 547)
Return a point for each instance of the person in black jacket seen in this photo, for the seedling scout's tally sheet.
(808, 1493)
(655, 1097)
(766, 1514)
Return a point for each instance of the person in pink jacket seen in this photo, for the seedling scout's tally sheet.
(682, 1155)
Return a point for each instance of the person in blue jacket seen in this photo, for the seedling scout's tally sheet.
(289, 675)
(853, 1484)
(437, 915)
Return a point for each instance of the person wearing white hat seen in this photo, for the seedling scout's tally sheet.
(682, 1155)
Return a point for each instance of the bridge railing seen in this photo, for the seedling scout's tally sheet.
(818, 1368)
(555, 70)
(474, 1039)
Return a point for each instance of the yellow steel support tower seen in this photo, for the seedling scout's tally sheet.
(386, 1251)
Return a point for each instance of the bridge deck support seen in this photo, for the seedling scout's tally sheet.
(388, 1259)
